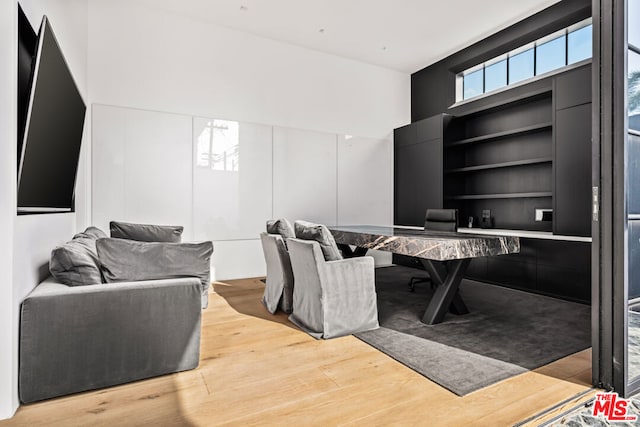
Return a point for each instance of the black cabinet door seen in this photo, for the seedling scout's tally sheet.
(572, 164)
(573, 87)
(418, 181)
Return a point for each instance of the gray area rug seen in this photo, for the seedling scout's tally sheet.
(507, 332)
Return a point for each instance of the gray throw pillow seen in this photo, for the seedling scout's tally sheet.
(127, 260)
(281, 226)
(146, 232)
(76, 263)
(321, 234)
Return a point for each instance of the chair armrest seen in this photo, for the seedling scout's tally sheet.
(364, 266)
(355, 274)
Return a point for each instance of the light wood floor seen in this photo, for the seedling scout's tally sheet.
(257, 369)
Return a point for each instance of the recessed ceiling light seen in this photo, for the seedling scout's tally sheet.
(244, 8)
(321, 30)
(383, 48)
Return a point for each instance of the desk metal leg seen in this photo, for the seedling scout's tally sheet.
(447, 293)
(438, 274)
(347, 252)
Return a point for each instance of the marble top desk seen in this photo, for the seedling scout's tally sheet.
(445, 256)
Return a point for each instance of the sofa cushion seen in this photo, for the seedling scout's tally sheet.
(127, 260)
(321, 234)
(146, 232)
(281, 226)
(76, 263)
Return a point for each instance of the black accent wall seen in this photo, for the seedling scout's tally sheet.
(433, 87)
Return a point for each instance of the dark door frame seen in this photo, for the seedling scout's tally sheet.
(609, 225)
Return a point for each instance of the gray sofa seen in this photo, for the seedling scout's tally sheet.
(77, 338)
(114, 310)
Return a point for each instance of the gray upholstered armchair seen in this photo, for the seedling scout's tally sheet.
(331, 298)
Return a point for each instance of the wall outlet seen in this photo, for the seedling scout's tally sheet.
(544, 215)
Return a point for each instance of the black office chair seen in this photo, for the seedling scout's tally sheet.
(436, 220)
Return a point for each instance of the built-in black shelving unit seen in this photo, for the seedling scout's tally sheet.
(500, 158)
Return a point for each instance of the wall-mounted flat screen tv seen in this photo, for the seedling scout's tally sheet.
(53, 132)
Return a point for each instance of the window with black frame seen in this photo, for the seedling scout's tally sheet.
(545, 55)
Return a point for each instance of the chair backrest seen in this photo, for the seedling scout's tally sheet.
(306, 256)
(320, 233)
(441, 220)
(279, 289)
(281, 226)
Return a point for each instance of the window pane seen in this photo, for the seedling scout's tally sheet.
(579, 44)
(495, 76)
(473, 84)
(521, 66)
(550, 55)
(633, 18)
(634, 91)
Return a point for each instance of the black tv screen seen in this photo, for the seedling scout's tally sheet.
(53, 132)
(27, 46)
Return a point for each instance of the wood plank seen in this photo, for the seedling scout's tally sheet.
(257, 368)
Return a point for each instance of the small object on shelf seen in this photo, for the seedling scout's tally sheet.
(471, 221)
(487, 221)
(544, 215)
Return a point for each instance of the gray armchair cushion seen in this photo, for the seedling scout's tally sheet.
(321, 234)
(281, 226)
(76, 263)
(146, 232)
(126, 260)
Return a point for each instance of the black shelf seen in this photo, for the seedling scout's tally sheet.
(501, 165)
(498, 135)
(500, 196)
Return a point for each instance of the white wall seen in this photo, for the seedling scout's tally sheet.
(145, 58)
(27, 240)
(8, 67)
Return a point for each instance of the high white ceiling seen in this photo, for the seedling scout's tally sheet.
(404, 35)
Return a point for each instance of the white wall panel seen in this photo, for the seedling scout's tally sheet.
(365, 184)
(142, 167)
(237, 260)
(365, 181)
(304, 175)
(108, 164)
(158, 171)
(231, 179)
